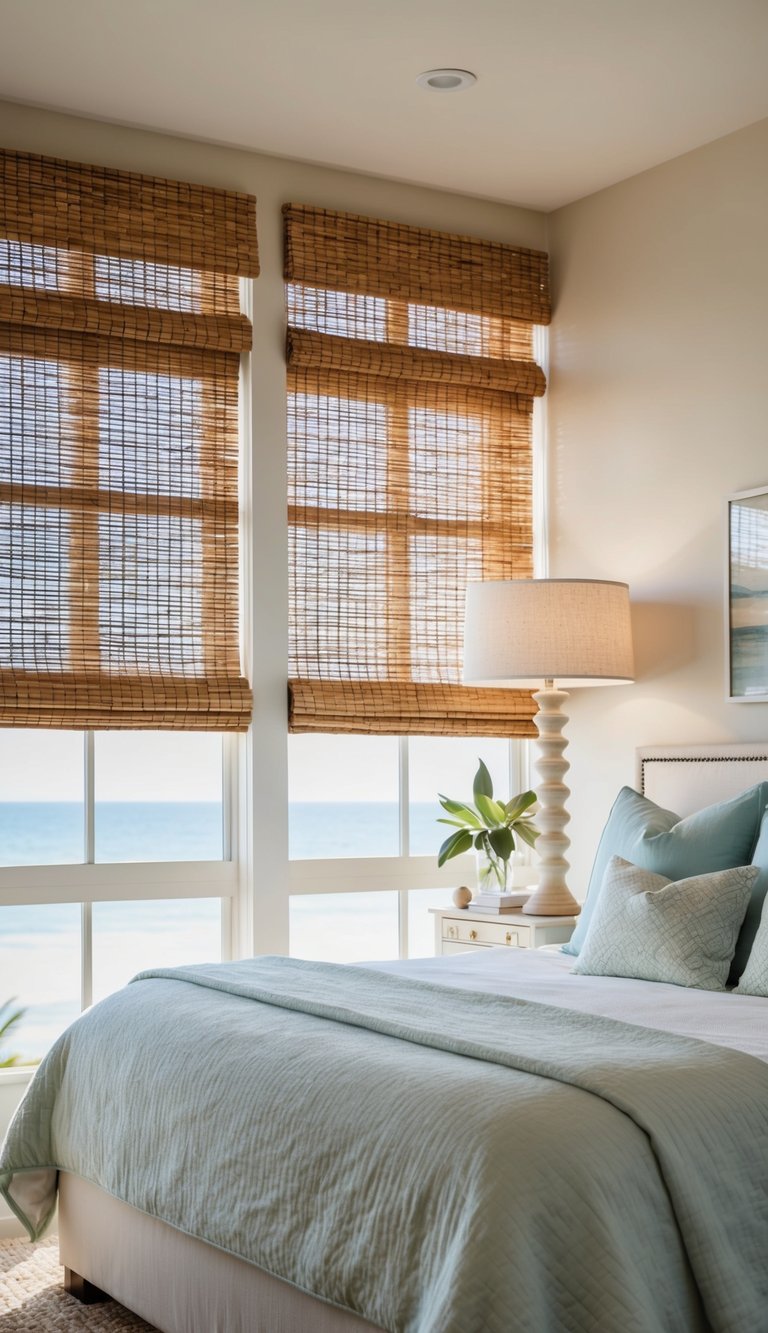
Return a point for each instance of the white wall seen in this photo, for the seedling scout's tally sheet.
(658, 409)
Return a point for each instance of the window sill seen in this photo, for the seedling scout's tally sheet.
(16, 1074)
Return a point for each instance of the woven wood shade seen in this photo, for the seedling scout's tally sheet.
(120, 341)
(411, 381)
(51, 202)
(347, 253)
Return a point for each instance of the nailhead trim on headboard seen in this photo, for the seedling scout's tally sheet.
(699, 759)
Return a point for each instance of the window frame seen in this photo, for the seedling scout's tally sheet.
(87, 882)
(404, 872)
(401, 872)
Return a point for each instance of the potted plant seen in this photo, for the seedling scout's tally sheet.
(490, 826)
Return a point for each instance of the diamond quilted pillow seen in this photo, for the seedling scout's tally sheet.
(754, 979)
(656, 929)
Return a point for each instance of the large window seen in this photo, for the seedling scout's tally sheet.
(121, 356)
(120, 343)
(411, 384)
(78, 811)
(364, 838)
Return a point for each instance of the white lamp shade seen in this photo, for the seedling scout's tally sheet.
(524, 631)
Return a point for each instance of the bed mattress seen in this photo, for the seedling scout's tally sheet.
(546, 976)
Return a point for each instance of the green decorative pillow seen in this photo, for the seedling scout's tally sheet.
(717, 838)
(656, 929)
(749, 930)
(754, 980)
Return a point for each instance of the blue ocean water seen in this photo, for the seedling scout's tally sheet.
(40, 945)
(52, 833)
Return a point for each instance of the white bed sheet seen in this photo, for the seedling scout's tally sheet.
(546, 975)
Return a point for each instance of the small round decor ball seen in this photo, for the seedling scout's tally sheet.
(462, 897)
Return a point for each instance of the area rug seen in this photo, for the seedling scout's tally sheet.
(33, 1300)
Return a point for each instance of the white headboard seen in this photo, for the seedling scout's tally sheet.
(685, 778)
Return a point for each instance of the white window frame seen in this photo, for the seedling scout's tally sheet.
(403, 872)
(88, 881)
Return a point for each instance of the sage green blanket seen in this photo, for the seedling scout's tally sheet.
(439, 1161)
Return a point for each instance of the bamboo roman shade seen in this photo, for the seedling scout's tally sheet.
(411, 380)
(120, 342)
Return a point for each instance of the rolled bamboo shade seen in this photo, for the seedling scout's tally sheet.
(411, 380)
(120, 342)
(368, 256)
(100, 211)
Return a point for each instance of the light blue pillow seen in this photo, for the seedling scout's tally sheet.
(656, 929)
(718, 838)
(752, 919)
(754, 980)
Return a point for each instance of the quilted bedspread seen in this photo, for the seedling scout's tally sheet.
(438, 1161)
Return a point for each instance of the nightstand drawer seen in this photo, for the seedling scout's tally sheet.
(457, 931)
(486, 932)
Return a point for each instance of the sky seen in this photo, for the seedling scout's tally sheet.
(365, 768)
(40, 765)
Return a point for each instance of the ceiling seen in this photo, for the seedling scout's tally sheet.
(572, 95)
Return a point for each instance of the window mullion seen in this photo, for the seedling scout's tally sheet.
(86, 955)
(403, 796)
(89, 831)
(229, 840)
(404, 820)
(89, 798)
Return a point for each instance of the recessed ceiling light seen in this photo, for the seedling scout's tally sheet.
(446, 80)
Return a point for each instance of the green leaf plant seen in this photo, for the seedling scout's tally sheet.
(490, 826)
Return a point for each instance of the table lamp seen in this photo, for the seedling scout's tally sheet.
(561, 633)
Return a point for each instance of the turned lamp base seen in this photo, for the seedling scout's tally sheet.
(552, 897)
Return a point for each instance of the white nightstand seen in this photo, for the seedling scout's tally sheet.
(459, 931)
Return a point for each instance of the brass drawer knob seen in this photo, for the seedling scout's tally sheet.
(508, 937)
(473, 934)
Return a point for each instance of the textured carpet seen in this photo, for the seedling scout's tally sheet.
(33, 1300)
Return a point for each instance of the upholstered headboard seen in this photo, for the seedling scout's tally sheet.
(685, 778)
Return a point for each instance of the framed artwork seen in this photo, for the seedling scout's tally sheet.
(747, 597)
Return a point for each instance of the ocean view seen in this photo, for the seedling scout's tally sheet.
(40, 945)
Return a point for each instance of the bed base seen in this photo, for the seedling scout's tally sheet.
(83, 1290)
(175, 1282)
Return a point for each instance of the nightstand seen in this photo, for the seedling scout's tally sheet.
(459, 931)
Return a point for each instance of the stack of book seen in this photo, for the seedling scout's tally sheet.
(499, 902)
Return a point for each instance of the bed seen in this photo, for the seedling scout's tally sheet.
(452, 1145)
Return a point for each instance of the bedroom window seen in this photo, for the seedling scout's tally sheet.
(411, 385)
(121, 353)
(120, 346)
(411, 382)
(138, 820)
(364, 838)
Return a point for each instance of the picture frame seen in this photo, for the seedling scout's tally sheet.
(747, 596)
